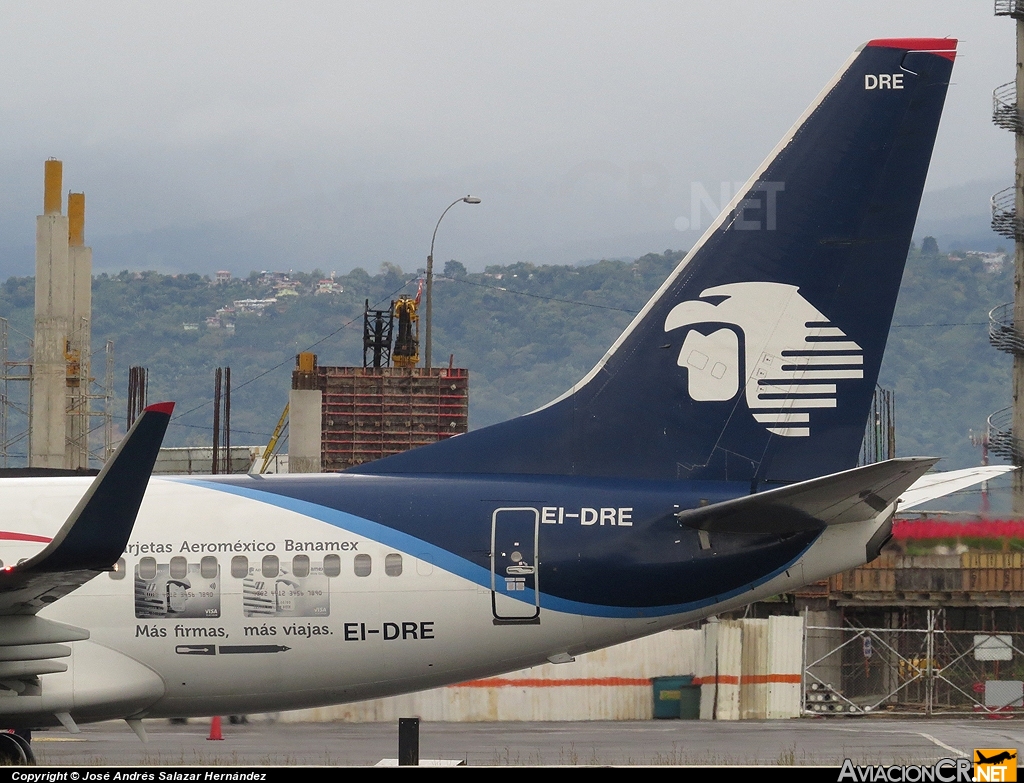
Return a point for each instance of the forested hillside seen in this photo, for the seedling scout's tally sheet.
(525, 332)
(947, 377)
(522, 348)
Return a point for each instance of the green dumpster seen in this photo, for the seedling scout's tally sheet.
(676, 697)
(689, 700)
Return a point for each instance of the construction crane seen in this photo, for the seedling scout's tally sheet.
(406, 352)
(268, 453)
(377, 328)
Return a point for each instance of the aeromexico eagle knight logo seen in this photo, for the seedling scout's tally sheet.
(791, 357)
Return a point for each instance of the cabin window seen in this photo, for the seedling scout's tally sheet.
(270, 566)
(239, 566)
(208, 567)
(300, 566)
(147, 569)
(116, 573)
(178, 568)
(393, 564)
(363, 565)
(332, 565)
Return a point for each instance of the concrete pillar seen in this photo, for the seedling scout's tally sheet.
(304, 430)
(76, 453)
(52, 327)
(305, 417)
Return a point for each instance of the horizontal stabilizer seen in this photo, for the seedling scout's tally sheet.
(33, 652)
(850, 496)
(937, 485)
(94, 536)
(35, 631)
(33, 668)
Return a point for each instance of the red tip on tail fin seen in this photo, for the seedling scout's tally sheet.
(161, 407)
(943, 47)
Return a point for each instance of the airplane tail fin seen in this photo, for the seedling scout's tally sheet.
(757, 359)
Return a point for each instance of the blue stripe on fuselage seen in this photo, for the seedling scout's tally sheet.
(596, 573)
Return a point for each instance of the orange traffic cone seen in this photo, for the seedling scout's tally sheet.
(215, 733)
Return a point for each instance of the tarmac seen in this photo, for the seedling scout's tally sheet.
(808, 741)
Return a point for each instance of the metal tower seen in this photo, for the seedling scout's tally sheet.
(1006, 427)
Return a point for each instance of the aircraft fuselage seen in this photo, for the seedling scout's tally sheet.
(260, 593)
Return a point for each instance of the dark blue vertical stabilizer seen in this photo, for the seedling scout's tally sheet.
(757, 358)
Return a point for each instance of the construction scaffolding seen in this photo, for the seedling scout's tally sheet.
(373, 412)
(924, 670)
(15, 401)
(104, 394)
(16, 405)
(880, 433)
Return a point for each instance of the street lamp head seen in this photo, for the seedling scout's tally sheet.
(471, 200)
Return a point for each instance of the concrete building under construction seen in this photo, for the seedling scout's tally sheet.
(343, 416)
(340, 417)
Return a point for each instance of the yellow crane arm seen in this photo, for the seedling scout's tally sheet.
(272, 445)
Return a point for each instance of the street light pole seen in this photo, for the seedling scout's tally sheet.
(430, 276)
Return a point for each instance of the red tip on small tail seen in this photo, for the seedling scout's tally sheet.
(943, 47)
(161, 407)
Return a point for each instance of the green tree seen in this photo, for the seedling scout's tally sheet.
(454, 268)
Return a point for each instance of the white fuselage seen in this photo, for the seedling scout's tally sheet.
(344, 617)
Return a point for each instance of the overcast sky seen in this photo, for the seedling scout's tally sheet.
(581, 125)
